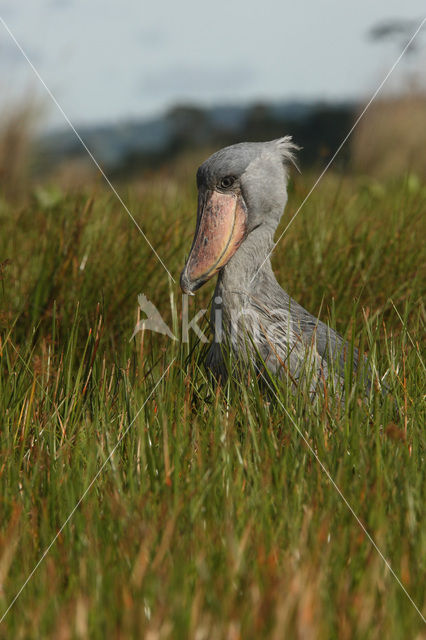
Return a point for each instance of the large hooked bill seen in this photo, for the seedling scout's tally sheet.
(221, 228)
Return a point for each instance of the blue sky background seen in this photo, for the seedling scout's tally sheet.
(107, 61)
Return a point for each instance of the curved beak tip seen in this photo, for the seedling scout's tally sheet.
(186, 284)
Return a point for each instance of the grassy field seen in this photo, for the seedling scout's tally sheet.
(211, 518)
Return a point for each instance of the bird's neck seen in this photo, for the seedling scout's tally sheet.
(250, 265)
(247, 277)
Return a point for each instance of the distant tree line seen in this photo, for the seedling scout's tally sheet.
(318, 130)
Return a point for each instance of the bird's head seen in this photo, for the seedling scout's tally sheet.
(240, 188)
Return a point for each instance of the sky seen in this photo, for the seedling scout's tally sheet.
(129, 59)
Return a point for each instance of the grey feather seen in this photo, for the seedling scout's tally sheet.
(251, 302)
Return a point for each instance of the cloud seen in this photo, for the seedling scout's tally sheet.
(185, 79)
(150, 37)
(60, 4)
(7, 9)
(11, 56)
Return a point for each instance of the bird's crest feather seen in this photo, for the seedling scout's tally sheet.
(287, 149)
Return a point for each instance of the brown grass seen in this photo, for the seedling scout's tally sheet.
(391, 138)
(17, 130)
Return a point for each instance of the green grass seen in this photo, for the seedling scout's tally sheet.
(212, 518)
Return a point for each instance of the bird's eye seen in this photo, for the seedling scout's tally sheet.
(227, 182)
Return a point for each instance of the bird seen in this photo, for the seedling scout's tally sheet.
(242, 194)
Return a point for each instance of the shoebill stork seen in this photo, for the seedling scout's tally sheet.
(242, 192)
